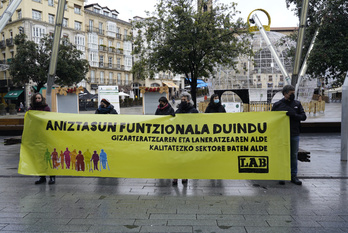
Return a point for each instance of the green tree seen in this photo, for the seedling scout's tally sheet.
(31, 62)
(329, 56)
(180, 39)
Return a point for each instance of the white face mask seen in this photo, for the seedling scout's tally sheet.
(216, 101)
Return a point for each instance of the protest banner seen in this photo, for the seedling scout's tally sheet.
(253, 145)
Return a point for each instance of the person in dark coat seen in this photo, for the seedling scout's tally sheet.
(105, 107)
(164, 108)
(296, 113)
(185, 106)
(215, 105)
(38, 103)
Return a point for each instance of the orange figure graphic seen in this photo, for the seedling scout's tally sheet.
(62, 159)
(80, 163)
(73, 159)
(67, 158)
(54, 157)
(95, 158)
(88, 158)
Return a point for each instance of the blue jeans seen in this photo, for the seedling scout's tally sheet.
(294, 144)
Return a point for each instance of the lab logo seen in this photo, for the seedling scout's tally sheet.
(253, 164)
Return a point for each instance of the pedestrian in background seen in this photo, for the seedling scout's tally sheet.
(215, 105)
(38, 103)
(106, 107)
(164, 108)
(296, 113)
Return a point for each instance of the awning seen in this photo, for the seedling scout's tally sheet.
(13, 95)
(170, 84)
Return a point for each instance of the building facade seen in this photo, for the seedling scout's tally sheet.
(109, 49)
(96, 31)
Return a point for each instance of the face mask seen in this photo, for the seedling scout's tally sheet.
(184, 103)
(216, 101)
(292, 97)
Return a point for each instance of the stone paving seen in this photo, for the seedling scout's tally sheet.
(78, 204)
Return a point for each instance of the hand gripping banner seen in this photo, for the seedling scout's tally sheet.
(253, 145)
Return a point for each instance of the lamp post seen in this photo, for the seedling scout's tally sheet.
(55, 47)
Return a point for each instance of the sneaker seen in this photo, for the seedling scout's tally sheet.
(184, 181)
(52, 180)
(295, 180)
(282, 182)
(41, 180)
(175, 182)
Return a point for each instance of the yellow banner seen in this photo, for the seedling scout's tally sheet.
(253, 145)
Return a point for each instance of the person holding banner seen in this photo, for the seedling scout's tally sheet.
(164, 108)
(296, 113)
(215, 105)
(38, 103)
(185, 106)
(106, 107)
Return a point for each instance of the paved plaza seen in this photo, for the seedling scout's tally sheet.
(78, 204)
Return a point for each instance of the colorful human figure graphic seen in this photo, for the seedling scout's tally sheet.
(88, 158)
(80, 163)
(62, 159)
(54, 157)
(103, 160)
(95, 159)
(67, 158)
(48, 158)
(73, 155)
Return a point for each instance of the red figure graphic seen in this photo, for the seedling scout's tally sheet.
(62, 159)
(73, 159)
(54, 157)
(95, 159)
(67, 158)
(80, 163)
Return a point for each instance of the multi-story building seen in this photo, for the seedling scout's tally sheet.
(36, 18)
(96, 31)
(109, 48)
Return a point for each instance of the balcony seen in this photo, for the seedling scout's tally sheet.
(2, 44)
(118, 36)
(96, 30)
(102, 48)
(9, 42)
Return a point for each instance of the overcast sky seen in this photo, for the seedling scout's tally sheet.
(280, 15)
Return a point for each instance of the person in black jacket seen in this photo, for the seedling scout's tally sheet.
(185, 106)
(105, 107)
(296, 113)
(215, 105)
(164, 108)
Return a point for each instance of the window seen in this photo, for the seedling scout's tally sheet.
(36, 14)
(258, 78)
(90, 25)
(281, 78)
(51, 18)
(93, 41)
(101, 61)
(118, 45)
(51, 2)
(126, 79)
(110, 62)
(119, 63)
(96, 10)
(92, 76)
(65, 22)
(114, 16)
(77, 9)
(125, 32)
(38, 33)
(111, 77)
(101, 28)
(106, 13)
(66, 6)
(93, 59)
(101, 76)
(80, 42)
(101, 41)
(119, 78)
(78, 25)
(37, 0)
(110, 43)
(270, 78)
(19, 14)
